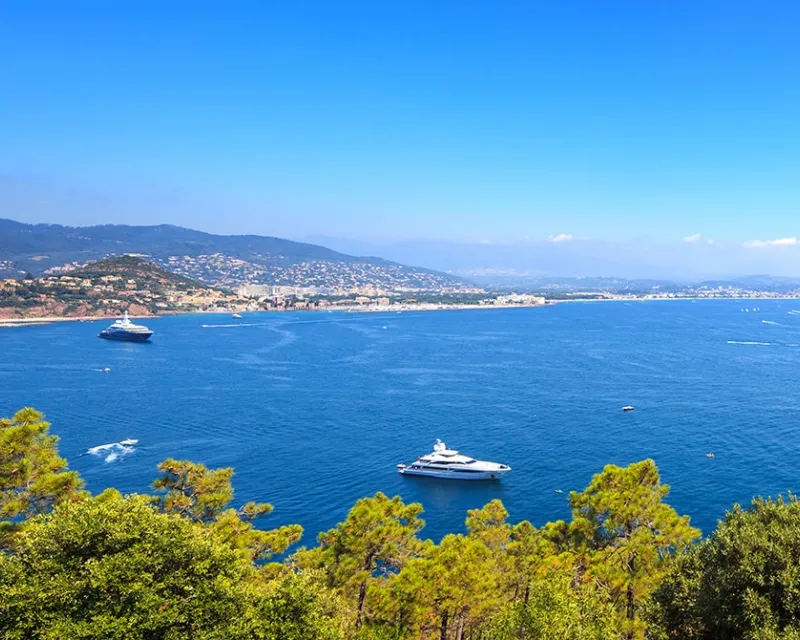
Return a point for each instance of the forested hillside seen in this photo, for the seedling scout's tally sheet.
(212, 259)
(187, 562)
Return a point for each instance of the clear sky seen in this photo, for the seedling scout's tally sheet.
(467, 121)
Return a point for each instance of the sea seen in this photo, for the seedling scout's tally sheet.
(314, 410)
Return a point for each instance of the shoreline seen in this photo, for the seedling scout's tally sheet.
(33, 322)
(401, 308)
(397, 308)
(45, 320)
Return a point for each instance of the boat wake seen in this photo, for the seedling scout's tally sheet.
(114, 450)
(236, 324)
(777, 324)
(760, 344)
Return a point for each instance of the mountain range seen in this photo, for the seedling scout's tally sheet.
(213, 259)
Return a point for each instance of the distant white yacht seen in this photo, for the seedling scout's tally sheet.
(237, 316)
(449, 464)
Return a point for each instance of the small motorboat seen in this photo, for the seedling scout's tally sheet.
(128, 442)
(449, 464)
(238, 316)
(628, 408)
(709, 455)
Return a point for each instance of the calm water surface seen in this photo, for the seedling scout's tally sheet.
(315, 410)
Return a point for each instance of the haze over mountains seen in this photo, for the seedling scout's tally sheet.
(684, 260)
(336, 264)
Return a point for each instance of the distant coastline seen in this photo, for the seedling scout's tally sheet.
(398, 308)
(32, 322)
(361, 309)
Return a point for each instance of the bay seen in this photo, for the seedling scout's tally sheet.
(314, 410)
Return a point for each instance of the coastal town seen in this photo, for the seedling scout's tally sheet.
(326, 276)
(141, 287)
(107, 288)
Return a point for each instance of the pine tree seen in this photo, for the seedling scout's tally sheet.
(33, 477)
(629, 532)
(203, 495)
(377, 538)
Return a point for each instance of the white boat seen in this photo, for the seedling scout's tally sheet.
(128, 442)
(450, 464)
(237, 316)
(628, 408)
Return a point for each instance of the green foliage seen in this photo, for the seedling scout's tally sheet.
(33, 478)
(556, 611)
(377, 537)
(203, 495)
(194, 491)
(629, 532)
(455, 587)
(742, 582)
(489, 525)
(298, 606)
(112, 567)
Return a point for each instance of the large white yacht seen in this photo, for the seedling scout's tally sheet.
(447, 463)
(125, 330)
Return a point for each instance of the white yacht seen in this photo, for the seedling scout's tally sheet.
(447, 463)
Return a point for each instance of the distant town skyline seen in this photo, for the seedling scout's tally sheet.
(646, 138)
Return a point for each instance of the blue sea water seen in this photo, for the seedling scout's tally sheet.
(314, 410)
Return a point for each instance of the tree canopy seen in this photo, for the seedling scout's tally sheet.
(33, 477)
(630, 532)
(741, 582)
(377, 537)
(204, 495)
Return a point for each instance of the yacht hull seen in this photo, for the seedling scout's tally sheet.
(126, 337)
(447, 474)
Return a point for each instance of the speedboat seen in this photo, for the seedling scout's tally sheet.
(129, 442)
(126, 330)
(450, 464)
(628, 408)
(238, 316)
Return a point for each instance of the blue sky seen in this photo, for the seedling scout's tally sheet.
(469, 121)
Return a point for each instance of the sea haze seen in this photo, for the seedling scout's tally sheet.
(315, 410)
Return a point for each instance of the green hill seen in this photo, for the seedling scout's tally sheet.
(107, 287)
